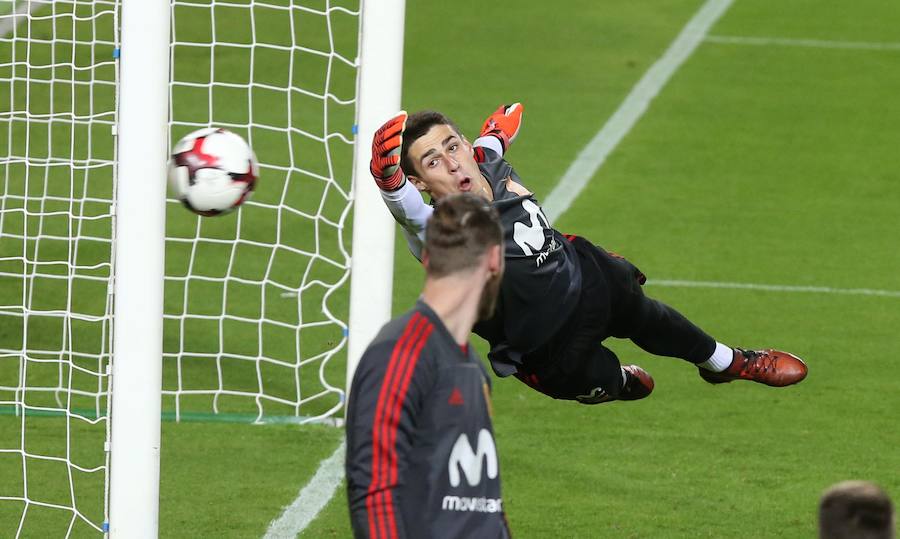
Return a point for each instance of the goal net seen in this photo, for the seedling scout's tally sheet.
(253, 300)
(255, 303)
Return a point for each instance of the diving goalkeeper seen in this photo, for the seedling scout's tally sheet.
(561, 295)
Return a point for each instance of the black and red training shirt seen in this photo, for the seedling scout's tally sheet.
(421, 457)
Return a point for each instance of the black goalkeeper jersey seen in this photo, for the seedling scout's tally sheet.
(542, 279)
(421, 459)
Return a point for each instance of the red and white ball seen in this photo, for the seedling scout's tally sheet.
(212, 171)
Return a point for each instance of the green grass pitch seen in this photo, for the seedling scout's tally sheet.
(768, 164)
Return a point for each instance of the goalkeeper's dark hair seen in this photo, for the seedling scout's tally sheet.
(417, 125)
(856, 510)
(460, 231)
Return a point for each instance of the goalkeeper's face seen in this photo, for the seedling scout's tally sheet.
(445, 164)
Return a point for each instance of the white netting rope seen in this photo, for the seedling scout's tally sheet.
(272, 268)
(254, 321)
(57, 109)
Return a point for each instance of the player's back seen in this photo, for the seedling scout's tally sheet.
(420, 443)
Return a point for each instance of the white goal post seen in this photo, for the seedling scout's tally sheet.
(139, 246)
(381, 38)
(118, 306)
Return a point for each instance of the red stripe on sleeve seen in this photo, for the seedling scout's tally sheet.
(393, 419)
(376, 521)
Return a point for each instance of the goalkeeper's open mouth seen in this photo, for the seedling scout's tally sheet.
(465, 184)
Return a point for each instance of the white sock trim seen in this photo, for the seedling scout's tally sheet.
(720, 359)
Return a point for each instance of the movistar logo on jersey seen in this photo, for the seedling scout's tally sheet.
(472, 461)
(530, 237)
(466, 503)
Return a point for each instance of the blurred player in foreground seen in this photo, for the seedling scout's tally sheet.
(561, 295)
(420, 410)
(856, 510)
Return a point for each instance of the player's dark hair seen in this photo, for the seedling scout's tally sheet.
(856, 510)
(417, 125)
(461, 230)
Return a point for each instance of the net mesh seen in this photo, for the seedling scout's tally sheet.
(254, 303)
(57, 109)
(252, 318)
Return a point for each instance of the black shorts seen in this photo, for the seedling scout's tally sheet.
(574, 363)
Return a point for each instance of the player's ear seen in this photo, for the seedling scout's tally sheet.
(495, 260)
(418, 183)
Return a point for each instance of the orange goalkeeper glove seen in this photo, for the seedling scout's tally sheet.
(504, 124)
(385, 164)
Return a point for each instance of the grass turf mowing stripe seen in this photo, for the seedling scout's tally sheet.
(312, 498)
(775, 288)
(810, 43)
(592, 157)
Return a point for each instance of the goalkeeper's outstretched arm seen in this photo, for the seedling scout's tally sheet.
(402, 199)
(411, 213)
(501, 128)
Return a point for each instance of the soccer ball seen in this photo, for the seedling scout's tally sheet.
(212, 171)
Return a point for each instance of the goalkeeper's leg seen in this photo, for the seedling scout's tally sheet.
(575, 366)
(661, 330)
(589, 374)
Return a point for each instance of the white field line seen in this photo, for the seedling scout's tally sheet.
(311, 499)
(811, 43)
(9, 22)
(592, 157)
(776, 288)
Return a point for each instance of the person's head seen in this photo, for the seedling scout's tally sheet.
(464, 238)
(436, 157)
(856, 510)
